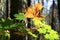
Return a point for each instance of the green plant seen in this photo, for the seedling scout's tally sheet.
(41, 26)
(7, 24)
(38, 20)
(19, 16)
(46, 30)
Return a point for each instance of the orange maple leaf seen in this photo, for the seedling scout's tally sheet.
(34, 12)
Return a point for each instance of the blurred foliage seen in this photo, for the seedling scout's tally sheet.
(39, 23)
(19, 16)
(46, 31)
(32, 34)
(8, 24)
(42, 27)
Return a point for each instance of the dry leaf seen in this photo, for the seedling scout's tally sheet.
(34, 12)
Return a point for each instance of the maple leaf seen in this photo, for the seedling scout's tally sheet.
(38, 6)
(32, 12)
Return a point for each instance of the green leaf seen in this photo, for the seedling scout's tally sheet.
(9, 18)
(3, 20)
(37, 22)
(47, 36)
(41, 31)
(13, 25)
(52, 35)
(6, 23)
(7, 35)
(48, 27)
(19, 16)
(7, 27)
(30, 33)
(0, 27)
